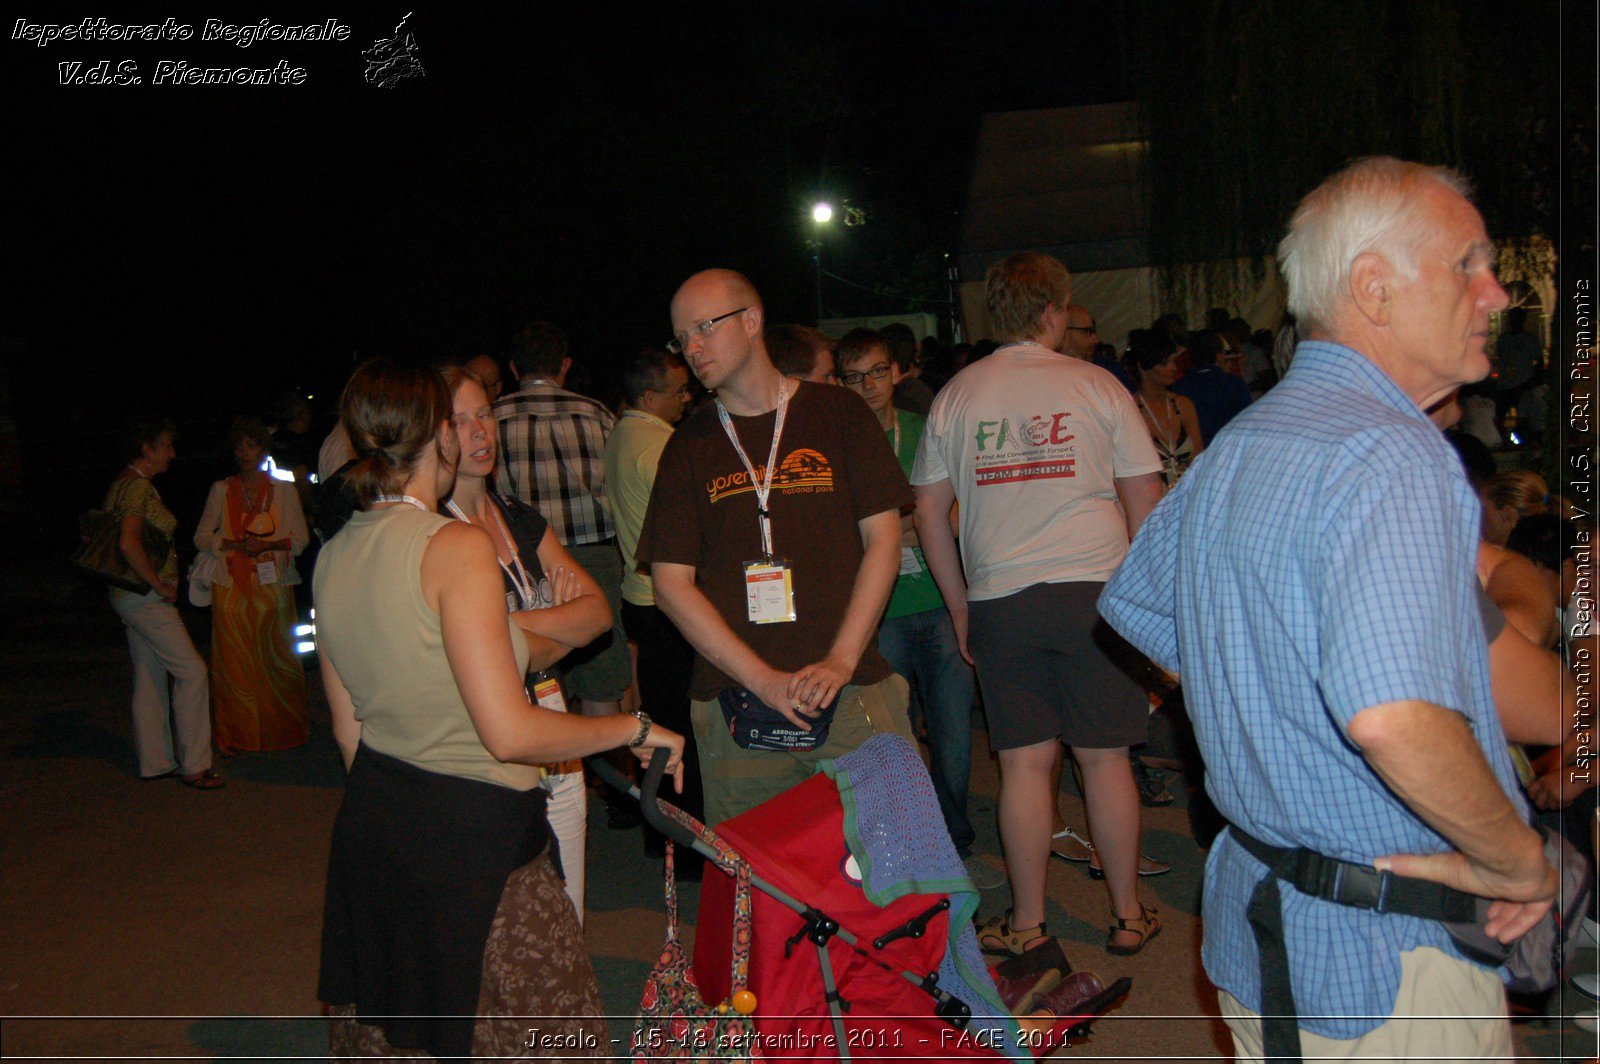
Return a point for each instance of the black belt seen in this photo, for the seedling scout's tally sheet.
(1357, 886)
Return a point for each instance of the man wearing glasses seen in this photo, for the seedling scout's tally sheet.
(916, 635)
(773, 538)
(1081, 335)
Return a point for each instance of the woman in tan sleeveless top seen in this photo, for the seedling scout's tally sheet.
(441, 884)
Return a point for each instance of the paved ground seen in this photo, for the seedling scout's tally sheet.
(148, 920)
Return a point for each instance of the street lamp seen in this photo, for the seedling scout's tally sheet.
(821, 214)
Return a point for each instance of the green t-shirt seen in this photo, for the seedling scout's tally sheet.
(914, 592)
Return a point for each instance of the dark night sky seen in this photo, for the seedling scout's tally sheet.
(204, 247)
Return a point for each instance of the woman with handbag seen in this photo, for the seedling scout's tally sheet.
(158, 641)
(445, 921)
(253, 526)
(547, 594)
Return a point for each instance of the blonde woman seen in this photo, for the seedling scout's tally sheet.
(547, 594)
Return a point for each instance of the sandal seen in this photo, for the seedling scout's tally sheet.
(1077, 849)
(206, 781)
(1148, 866)
(996, 935)
(1146, 925)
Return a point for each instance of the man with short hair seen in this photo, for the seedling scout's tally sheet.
(773, 537)
(552, 453)
(1054, 471)
(655, 391)
(1313, 579)
(916, 634)
(1082, 341)
(1218, 396)
(912, 393)
(486, 368)
(803, 353)
(1081, 336)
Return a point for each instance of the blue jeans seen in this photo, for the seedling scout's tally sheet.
(922, 648)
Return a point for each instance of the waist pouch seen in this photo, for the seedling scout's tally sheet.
(1533, 962)
(755, 725)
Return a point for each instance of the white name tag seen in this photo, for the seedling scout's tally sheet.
(910, 564)
(266, 573)
(769, 592)
(547, 693)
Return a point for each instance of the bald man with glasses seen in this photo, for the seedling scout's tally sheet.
(773, 539)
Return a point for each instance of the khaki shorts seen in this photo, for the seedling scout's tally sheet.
(737, 779)
(1446, 1009)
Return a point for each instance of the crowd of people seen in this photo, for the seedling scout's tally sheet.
(784, 543)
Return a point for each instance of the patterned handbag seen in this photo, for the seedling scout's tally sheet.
(674, 1022)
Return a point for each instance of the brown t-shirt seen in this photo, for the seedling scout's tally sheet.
(833, 471)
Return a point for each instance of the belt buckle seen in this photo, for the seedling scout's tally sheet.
(1361, 887)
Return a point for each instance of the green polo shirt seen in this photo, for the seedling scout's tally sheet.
(913, 592)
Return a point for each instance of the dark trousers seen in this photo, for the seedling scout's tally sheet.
(665, 662)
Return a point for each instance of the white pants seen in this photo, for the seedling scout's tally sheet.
(569, 820)
(160, 645)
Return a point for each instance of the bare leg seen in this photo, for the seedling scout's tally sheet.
(1026, 812)
(1057, 822)
(1111, 800)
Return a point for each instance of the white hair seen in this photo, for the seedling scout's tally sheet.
(1374, 205)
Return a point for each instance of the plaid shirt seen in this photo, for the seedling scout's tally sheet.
(1317, 559)
(552, 457)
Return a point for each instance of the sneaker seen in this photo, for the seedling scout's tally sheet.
(984, 875)
(1587, 984)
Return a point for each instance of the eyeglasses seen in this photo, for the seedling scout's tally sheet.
(700, 331)
(877, 373)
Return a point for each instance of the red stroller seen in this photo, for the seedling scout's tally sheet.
(862, 944)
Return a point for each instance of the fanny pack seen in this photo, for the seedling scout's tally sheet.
(1533, 961)
(755, 725)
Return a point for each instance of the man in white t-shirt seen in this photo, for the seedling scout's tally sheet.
(1054, 471)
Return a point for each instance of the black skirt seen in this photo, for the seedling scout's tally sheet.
(417, 868)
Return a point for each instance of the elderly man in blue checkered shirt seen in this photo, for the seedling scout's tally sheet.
(1312, 578)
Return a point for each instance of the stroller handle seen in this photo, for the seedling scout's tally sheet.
(647, 793)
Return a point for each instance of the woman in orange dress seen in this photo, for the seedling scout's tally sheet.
(254, 526)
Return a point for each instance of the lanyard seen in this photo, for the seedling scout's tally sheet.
(519, 579)
(261, 505)
(407, 499)
(763, 489)
(1160, 430)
